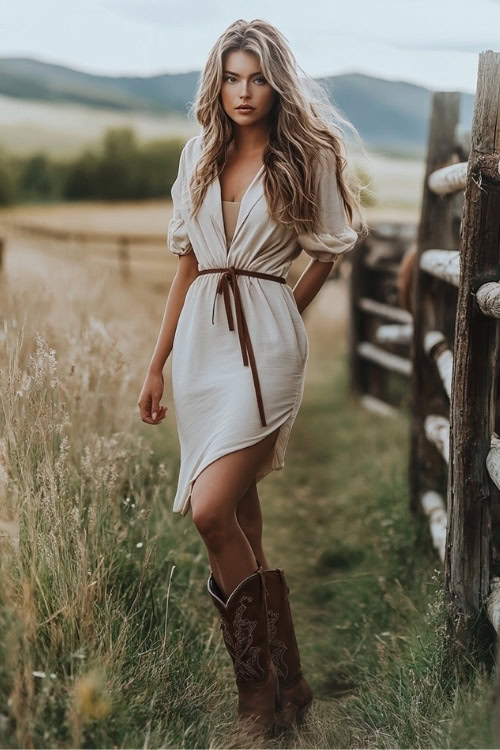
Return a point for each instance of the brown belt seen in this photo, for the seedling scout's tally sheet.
(228, 279)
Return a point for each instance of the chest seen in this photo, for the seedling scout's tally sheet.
(236, 177)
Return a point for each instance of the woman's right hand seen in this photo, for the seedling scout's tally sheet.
(150, 397)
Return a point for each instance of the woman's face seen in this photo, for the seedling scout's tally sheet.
(244, 84)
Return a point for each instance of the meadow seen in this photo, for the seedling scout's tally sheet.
(107, 634)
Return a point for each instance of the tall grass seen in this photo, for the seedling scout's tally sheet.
(366, 587)
(107, 635)
(102, 639)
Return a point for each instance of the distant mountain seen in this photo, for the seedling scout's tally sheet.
(388, 114)
(25, 78)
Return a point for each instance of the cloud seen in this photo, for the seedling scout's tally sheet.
(467, 46)
(433, 42)
(190, 14)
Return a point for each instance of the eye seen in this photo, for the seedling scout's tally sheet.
(262, 79)
(226, 78)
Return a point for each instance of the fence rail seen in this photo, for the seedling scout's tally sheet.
(455, 449)
(380, 328)
(454, 357)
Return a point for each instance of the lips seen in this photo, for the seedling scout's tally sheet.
(245, 109)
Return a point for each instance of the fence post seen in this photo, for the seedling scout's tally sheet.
(475, 372)
(124, 257)
(434, 304)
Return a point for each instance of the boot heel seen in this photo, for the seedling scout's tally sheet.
(304, 714)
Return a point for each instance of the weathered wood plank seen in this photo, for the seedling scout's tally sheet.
(378, 406)
(443, 264)
(488, 299)
(436, 346)
(70, 235)
(437, 432)
(435, 509)
(475, 372)
(394, 333)
(435, 301)
(448, 179)
(385, 311)
(386, 359)
(493, 460)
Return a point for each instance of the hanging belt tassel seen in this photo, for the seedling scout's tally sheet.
(229, 279)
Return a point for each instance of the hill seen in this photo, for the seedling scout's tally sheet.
(388, 114)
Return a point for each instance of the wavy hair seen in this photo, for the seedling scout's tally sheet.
(303, 122)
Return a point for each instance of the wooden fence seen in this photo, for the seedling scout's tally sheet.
(126, 251)
(454, 443)
(121, 244)
(474, 468)
(434, 292)
(454, 359)
(381, 329)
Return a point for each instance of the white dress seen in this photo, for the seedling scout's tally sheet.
(214, 392)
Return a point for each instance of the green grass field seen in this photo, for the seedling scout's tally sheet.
(107, 634)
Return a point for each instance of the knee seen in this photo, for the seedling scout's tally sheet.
(213, 526)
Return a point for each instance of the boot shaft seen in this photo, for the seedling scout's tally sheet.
(282, 639)
(244, 627)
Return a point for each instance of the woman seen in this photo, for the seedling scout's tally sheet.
(264, 180)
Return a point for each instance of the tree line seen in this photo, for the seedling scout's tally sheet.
(118, 168)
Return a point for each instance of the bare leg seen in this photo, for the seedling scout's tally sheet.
(212, 561)
(214, 500)
(249, 515)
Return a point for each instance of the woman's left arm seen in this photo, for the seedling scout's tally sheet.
(334, 236)
(311, 281)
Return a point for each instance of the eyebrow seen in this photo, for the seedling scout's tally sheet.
(258, 73)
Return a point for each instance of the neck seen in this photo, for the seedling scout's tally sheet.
(251, 138)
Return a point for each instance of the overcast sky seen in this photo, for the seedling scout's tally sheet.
(431, 42)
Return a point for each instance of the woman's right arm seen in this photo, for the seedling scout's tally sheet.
(152, 390)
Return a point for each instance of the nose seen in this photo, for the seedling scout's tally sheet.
(244, 91)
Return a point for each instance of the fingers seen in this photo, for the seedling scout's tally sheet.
(155, 407)
(149, 400)
(160, 416)
(147, 416)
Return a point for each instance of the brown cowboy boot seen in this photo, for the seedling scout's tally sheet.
(295, 694)
(245, 633)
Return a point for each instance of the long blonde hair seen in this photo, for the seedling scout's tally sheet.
(303, 122)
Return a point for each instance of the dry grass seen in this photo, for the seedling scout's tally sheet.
(107, 637)
(92, 558)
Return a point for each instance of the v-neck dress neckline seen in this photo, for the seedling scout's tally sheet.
(248, 199)
(230, 213)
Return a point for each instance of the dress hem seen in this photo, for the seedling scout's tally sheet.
(275, 463)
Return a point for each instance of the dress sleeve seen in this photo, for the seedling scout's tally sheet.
(177, 237)
(335, 236)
